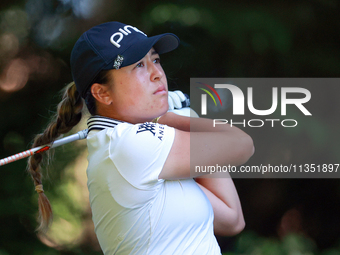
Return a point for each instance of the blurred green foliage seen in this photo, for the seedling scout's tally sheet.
(293, 244)
(218, 39)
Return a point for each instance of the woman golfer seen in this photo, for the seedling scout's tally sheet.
(143, 197)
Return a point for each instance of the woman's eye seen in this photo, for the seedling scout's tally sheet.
(140, 64)
(157, 60)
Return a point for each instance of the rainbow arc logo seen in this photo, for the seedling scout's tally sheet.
(204, 97)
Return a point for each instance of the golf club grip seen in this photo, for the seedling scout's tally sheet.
(16, 157)
(78, 136)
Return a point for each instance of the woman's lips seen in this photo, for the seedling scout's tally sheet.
(160, 90)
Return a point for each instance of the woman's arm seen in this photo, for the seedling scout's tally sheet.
(204, 145)
(223, 143)
(222, 194)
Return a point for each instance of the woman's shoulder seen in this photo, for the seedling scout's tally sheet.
(117, 130)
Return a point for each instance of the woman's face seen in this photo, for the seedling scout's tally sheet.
(139, 92)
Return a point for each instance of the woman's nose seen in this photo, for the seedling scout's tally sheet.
(156, 72)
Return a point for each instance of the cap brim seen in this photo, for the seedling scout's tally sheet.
(165, 43)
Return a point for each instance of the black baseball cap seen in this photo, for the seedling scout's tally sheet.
(113, 45)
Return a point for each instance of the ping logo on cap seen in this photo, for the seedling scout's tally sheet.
(121, 34)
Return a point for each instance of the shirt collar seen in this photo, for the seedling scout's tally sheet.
(97, 122)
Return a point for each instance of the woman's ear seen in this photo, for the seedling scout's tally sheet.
(101, 93)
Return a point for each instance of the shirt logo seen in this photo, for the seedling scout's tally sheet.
(151, 127)
(147, 127)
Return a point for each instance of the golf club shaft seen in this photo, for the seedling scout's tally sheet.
(78, 136)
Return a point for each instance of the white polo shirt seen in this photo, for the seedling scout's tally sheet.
(133, 211)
